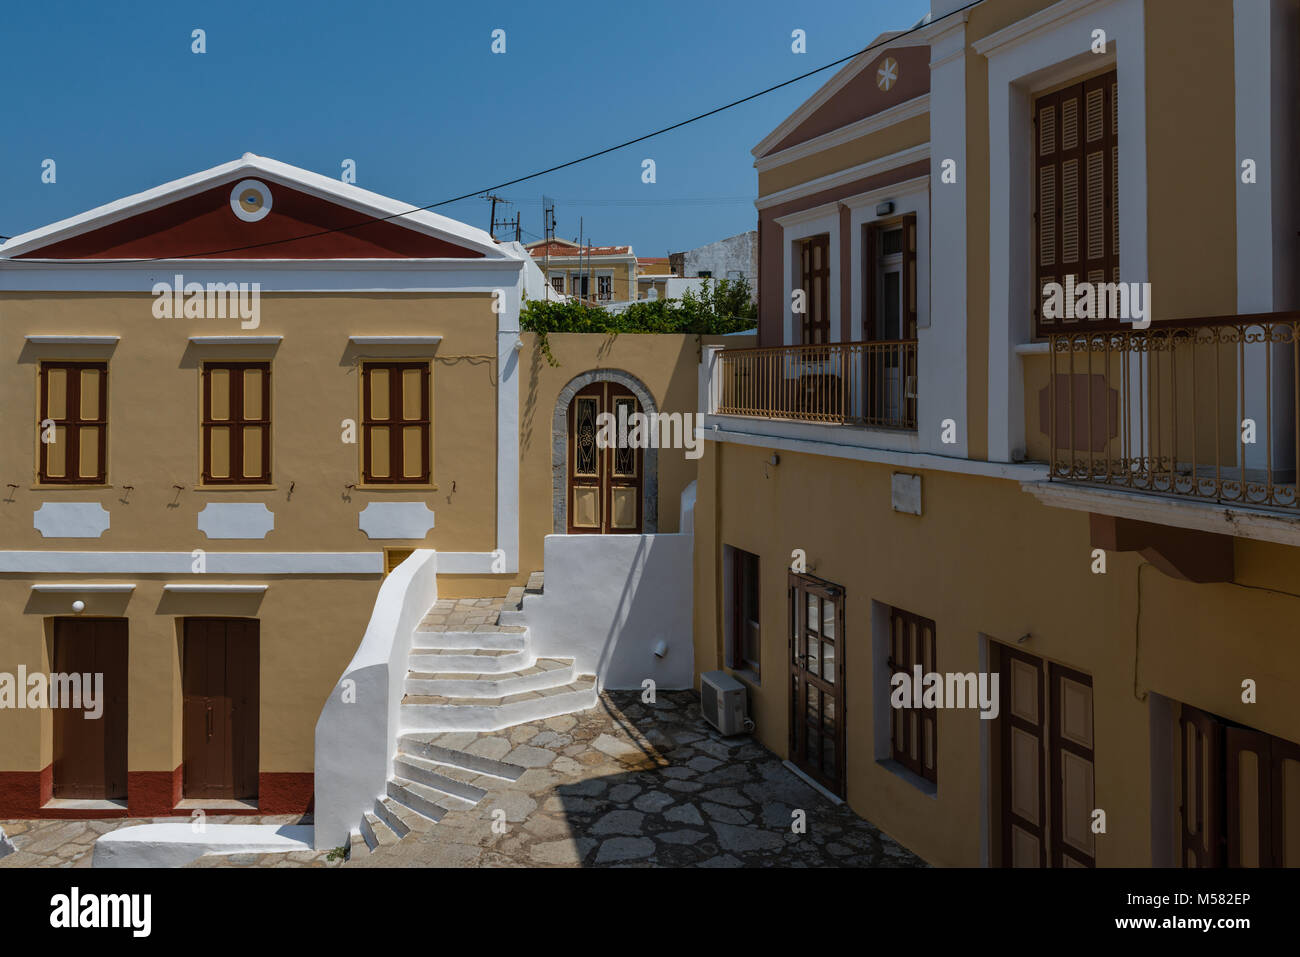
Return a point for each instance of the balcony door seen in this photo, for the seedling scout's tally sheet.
(889, 322)
(604, 484)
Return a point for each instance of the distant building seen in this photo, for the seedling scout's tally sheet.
(735, 257)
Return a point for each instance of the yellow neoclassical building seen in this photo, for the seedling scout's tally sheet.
(236, 401)
(924, 468)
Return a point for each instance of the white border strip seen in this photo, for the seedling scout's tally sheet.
(216, 589)
(65, 589)
(181, 563)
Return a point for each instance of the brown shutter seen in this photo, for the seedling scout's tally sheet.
(909, 276)
(1076, 196)
(1249, 791)
(1201, 794)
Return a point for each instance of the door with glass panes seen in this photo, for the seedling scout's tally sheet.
(817, 680)
(604, 483)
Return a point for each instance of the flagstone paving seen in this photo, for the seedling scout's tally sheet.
(639, 785)
(625, 784)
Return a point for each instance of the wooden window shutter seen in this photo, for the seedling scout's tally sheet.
(870, 279)
(909, 276)
(1076, 195)
(1022, 721)
(1201, 796)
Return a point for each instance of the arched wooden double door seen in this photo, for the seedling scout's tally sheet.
(603, 484)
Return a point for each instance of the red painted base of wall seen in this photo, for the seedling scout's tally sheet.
(25, 794)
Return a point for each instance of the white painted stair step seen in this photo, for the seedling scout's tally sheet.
(544, 673)
(495, 640)
(436, 660)
(427, 801)
(440, 777)
(436, 713)
(421, 746)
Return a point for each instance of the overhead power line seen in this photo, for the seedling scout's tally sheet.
(573, 162)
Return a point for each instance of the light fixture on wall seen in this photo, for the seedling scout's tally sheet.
(661, 648)
(885, 208)
(78, 606)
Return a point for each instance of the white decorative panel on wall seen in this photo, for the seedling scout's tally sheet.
(71, 519)
(236, 520)
(905, 493)
(396, 520)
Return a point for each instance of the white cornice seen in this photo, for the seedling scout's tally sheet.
(918, 184)
(236, 340)
(74, 588)
(810, 215)
(1251, 523)
(1025, 29)
(908, 109)
(875, 167)
(394, 340)
(73, 340)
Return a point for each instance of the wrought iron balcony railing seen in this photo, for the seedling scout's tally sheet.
(1205, 409)
(855, 383)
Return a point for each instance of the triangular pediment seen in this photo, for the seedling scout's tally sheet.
(255, 208)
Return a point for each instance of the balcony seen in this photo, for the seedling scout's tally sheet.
(868, 384)
(1204, 410)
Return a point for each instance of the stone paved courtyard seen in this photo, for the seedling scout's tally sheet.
(624, 784)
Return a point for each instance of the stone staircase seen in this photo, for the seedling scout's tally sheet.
(468, 674)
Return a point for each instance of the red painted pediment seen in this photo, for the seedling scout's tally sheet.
(298, 225)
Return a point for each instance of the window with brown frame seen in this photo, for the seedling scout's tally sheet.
(913, 730)
(1076, 189)
(236, 423)
(743, 612)
(815, 279)
(73, 425)
(395, 423)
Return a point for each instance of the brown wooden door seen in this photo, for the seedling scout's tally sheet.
(814, 280)
(1072, 785)
(1202, 842)
(220, 677)
(604, 484)
(817, 680)
(1023, 725)
(90, 753)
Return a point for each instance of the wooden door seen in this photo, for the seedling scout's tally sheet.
(220, 738)
(817, 680)
(1023, 724)
(1202, 842)
(1072, 784)
(604, 484)
(90, 753)
(814, 280)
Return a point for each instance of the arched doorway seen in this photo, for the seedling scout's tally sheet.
(604, 484)
(602, 491)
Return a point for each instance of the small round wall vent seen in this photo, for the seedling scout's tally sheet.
(251, 200)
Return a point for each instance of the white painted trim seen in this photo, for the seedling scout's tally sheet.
(180, 563)
(215, 589)
(1258, 524)
(1053, 43)
(882, 164)
(810, 215)
(943, 351)
(1029, 27)
(73, 340)
(832, 86)
(762, 438)
(236, 340)
(314, 184)
(1033, 349)
(73, 588)
(273, 276)
(827, 220)
(907, 187)
(908, 109)
(394, 340)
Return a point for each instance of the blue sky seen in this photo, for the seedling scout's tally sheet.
(413, 94)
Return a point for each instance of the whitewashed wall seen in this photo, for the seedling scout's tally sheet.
(608, 601)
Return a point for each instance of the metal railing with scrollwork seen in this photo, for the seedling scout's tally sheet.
(1205, 409)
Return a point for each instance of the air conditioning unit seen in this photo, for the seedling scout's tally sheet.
(722, 702)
